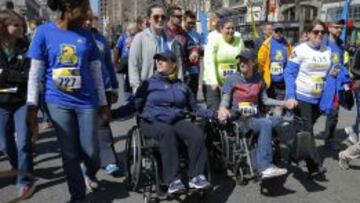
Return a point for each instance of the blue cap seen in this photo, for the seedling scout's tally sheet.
(167, 55)
(247, 54)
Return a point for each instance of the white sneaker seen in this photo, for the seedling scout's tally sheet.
(273, 171)
(352, 136)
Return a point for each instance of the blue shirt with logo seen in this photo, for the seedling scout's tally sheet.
(121, 44)
(278, 54)
(60, 48)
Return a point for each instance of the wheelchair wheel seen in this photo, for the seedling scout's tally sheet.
(133, 150)
(240, 177)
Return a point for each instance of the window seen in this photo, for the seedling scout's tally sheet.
(335, 13)
(309, 12)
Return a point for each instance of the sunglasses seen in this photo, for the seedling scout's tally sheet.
(316, 32)
(177, 16)
(279, 30)
(338, 27)
(158, 17)
(191, 23)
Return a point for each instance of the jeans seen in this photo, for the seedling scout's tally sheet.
(192, 81)
(13, 123)
(167, 136)
(212, 97)
(76, 130)
(262, 127)
(357, 121)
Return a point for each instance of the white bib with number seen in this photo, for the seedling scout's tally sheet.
(67, 79)
(318, 85)
(226, 69)
(276, 68)
(247, 109)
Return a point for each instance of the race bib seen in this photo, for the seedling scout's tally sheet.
(247, 109)
(276, 68)
(226, 69)
(67, 79)
(318, 85)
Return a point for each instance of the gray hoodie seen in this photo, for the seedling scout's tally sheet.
(141, 62)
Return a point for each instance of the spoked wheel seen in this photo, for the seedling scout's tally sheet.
(133, 150)
(240, 177)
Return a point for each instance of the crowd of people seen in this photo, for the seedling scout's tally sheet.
(68, 71)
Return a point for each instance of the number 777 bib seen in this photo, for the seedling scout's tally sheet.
(67, 79)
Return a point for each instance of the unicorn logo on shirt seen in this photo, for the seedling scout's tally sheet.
(279, 55)
(68, 55)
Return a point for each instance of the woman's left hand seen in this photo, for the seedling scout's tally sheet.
(105, 113)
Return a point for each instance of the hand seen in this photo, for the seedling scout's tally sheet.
(223, 114)
(32, 120)
(128, 42)
(356, 85)
(114, 96)
(214, 87)
(105, 114)
(194, 57)
(291, 103)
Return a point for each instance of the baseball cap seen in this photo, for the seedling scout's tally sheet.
(167, 55)
(247, 54)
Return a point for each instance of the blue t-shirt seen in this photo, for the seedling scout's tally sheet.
(107, 67)
(121, 44)
(278, 59)
(67, 55)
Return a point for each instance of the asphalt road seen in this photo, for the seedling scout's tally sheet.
(340, 186)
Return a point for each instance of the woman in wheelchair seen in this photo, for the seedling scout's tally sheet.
(243, 92)
(163, 102)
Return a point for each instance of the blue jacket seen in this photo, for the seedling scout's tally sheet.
(159, 99)
(332, 88)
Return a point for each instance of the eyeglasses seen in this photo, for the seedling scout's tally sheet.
(158, 17)
(191, 23)
(338, 27)
(177, 16)
(316, 32)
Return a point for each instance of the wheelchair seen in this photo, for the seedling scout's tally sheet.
(233, 149)
(144, 168)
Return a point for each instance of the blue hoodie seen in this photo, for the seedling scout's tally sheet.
(160, 99)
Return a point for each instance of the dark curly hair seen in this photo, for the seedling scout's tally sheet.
(61, 5)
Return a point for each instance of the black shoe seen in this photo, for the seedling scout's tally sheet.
(318, 174)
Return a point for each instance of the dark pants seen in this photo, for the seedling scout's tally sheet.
(106, 140)
(76, 130)
(167, 136)
(212, 97)
(310, 113)
(192, 82)
(331, 123)
(13, 125)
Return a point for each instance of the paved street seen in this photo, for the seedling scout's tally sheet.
(341, 186)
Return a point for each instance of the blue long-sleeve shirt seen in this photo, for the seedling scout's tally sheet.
(163, 100)
(107, 66)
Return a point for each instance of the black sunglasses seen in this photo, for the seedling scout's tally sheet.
(177, 16)
(316, 32)
(158, 17)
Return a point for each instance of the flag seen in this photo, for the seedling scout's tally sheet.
(204, 25)
(253, 24)
(345, 17)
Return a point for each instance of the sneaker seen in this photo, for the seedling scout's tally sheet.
(343, 161)
(273, 171)
(199, 182)
(113, 170)
(352, 136)
(176, 187)
(27, 191)
(91, 184)
(319, 172)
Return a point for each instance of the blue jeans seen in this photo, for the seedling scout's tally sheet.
(357, 121)
(76, 130)
(13, 119)
(262, 127)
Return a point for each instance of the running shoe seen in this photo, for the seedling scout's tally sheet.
(273, 171)
(176, 187)
(199, 182)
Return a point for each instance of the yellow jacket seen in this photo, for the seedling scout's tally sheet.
(264, 60)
